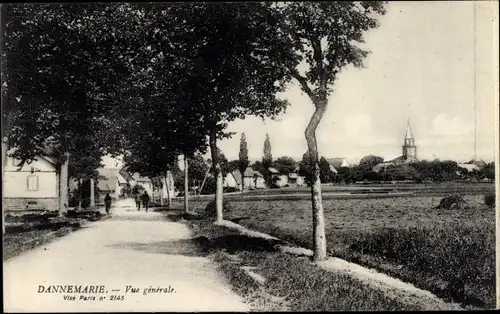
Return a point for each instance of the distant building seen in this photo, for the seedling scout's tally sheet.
(295, 179)
(382, 166)
(251, 179)
(112, 182)
(233, 180)
(145, 182)
(469, 167)
(409, 148)
(337, 163)
(409, 151)
(479, 163)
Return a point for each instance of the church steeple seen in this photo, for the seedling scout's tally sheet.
(408, 130)
(409, 148)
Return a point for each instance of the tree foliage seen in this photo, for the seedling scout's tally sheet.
(285, 165)
(243, 161)
(368, 162)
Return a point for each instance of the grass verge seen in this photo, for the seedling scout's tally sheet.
(292, 283)
(454, 261)
(17, 243)
(448, 252)
(26, 232)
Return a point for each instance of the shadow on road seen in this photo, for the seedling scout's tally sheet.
(202, 246)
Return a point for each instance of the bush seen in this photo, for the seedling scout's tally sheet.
(489, 199)
(227, 207)
(452, 202)
(230, 189)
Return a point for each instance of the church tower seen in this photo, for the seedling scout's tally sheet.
(409, 148)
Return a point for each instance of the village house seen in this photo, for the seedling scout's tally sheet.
(251, 179)
(113, 182)
(33, 186)
(233, 180)
(337, 163)
(295, 180)
(145, 182)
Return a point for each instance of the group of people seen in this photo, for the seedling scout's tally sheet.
(139, 198)
(142, 198)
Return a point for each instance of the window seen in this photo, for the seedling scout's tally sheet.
(32, 183)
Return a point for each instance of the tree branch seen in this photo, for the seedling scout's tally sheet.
(303, 82)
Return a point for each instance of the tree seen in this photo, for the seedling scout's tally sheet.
(305, 168)
(267, 160)
(489, 171)
(233, 165)
(285, 165)
(325, 173)
(323, 37)
(229, 72)
(243, 161)
(368, 162)
(54, 90)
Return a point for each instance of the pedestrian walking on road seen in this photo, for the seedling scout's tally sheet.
(138, 200)
(107, 202)
(145, 200)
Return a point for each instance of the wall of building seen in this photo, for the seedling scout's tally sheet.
(16, 185)
(16, 204)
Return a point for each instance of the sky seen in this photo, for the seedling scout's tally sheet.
(425, 65)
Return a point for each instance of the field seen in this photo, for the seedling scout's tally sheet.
(448, 252)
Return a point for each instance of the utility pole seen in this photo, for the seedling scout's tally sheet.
(186, 185)
(475, 84)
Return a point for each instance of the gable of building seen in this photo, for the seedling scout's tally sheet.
(40, 164)
(337, 162)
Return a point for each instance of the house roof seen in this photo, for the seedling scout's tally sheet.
(479, 163)
(273, 170)
(333, 169)
(336, 162)
(110, 180)
(125, 174)
(469, 167)
(137, 177)
(248, 172)
(257, 174)
(292, 175)
(237, 176)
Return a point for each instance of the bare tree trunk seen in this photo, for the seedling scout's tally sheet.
(92, 194)
(242, 180)
(80, 194)
(218, 175)
(163, 185)
(167, 184)
(319, 238)
(186, 185)
(152, 192)
(63, 191)
(4, 158)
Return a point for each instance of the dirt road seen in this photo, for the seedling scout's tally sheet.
(134, 261)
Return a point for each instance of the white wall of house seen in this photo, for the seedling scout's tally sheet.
(23, 183)
(282, 180)
(261, 183)
(32, 185)
(230, 181)
(344, 163)
(249, 182)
